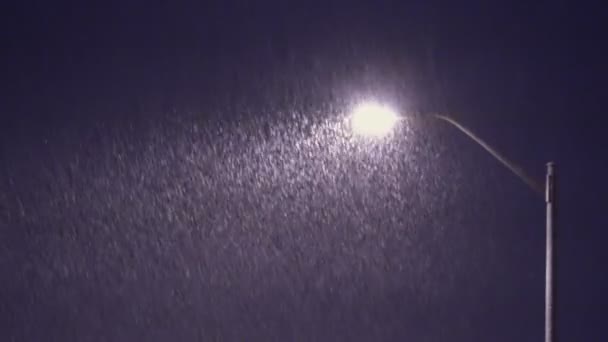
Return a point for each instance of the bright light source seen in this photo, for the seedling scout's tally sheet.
(373, 120)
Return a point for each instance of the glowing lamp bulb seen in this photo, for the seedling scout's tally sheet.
(373, 120)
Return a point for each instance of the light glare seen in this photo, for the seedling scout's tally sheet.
(373, 120)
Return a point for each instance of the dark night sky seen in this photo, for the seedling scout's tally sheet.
(174, 171)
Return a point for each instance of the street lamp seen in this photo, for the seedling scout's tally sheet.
(372, 119)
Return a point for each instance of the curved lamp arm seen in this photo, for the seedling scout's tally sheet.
(518, 171)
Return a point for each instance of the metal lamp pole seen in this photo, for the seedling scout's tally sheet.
(550, 258)
(549, 193)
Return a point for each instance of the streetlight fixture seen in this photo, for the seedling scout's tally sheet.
(372, 119)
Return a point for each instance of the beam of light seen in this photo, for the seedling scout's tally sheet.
(373, 120)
